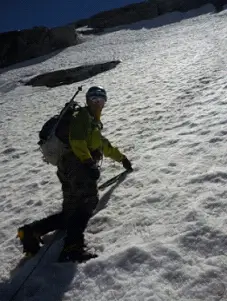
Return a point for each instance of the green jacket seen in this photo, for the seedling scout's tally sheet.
(85, 136)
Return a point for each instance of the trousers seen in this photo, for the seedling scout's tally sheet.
(80, 198)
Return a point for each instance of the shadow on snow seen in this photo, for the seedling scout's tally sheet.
(42, 277)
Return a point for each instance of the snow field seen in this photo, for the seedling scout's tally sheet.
(162, 234)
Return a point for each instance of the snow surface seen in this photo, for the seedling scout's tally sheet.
(162, 232)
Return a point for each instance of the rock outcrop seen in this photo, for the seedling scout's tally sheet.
(142, 11)
(183, 5)
(18, 46)
(121, 16)
(72, 75)
(219, 4)
(64, 36)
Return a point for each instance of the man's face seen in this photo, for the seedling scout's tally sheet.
(96, 105)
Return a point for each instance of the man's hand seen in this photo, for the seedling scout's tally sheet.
(96, 155)
(127, 164)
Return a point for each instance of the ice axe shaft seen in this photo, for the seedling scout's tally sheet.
(79, 89)
(113, 180)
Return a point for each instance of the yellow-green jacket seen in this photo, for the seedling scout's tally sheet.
(85, 136)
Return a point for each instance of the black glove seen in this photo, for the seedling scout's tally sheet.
(96, 155)
(93, 171)
(126, 164)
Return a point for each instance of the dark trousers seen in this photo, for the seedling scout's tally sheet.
(80, 197)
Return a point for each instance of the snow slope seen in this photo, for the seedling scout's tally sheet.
(162, 234)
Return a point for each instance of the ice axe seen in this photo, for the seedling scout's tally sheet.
(114, 179)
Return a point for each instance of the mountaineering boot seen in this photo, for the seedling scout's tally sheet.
(29, 239)
(75, 252)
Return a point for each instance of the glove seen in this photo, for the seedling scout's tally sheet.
(126, 164)
(96, 155)
(92, 170)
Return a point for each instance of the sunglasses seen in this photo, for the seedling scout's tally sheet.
(99, 101)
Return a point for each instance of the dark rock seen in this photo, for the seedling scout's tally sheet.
(219, 4)
(141, 11)
(121, 16)
(72, 75)
(62, 37)
(179, 5)
(18, 46)
(8, 48)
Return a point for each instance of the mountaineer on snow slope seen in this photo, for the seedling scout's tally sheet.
(78, 172)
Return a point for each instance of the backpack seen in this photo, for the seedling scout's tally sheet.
(54, 135)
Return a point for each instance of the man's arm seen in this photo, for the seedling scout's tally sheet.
(111, 151)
